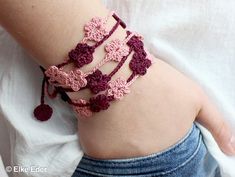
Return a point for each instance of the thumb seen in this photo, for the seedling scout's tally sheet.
(212, 119)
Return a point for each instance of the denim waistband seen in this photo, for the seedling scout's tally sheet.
(161, 162)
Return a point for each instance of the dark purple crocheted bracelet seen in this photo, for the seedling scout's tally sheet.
(101, 85)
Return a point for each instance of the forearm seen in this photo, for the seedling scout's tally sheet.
(48, 29)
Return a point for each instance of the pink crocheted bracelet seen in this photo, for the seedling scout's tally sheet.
(101, 85)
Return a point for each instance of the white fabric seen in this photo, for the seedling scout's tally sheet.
(52, 144)
(4, 147)
(196, 37)
(2, 169)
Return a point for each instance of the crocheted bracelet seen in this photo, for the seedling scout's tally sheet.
(104, 89)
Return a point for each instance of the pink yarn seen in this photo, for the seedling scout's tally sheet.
(118, 88)
(104, 89)
(116, 50)
(56, 76)
(74, 79)
(95, 30)
(150, 57)
(83, 112)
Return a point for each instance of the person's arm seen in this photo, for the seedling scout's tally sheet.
(50, 29)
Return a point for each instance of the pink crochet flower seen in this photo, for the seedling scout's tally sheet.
(85, 111)
(51, 71)
(56, 75)
(118, 88)
(96, 29)
(76, 79)
(116, 50)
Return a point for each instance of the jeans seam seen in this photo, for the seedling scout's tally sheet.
(147, 158)
(187, 161)
(151, 175)
(93, 173)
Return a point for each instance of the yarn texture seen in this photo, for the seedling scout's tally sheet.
(104, 88)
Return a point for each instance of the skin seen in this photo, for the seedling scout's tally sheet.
(158, 112)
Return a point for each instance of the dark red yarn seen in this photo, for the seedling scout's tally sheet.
(98, 103)
(97, 81)
(43, 112)
(82, 54)
(120, 64)
(139, 64)
(119, 20)
(135, 44)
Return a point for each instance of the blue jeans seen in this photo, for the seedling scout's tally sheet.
(187, 158)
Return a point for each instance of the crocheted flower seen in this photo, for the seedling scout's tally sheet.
(96, 29)
(135, 43)
(82, 54)
(98, 103)
(97, 81)
(56, 75)
(139, 64)
(118, 88)
(76, 79)
(116, 50)
(84, 111)
(51, 72)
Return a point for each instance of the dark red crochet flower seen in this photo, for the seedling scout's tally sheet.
(135, 44)
(139, 64)
(82, 54)
(97, 81)
(98, 103)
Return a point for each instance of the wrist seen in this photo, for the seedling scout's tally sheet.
(104, 87)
